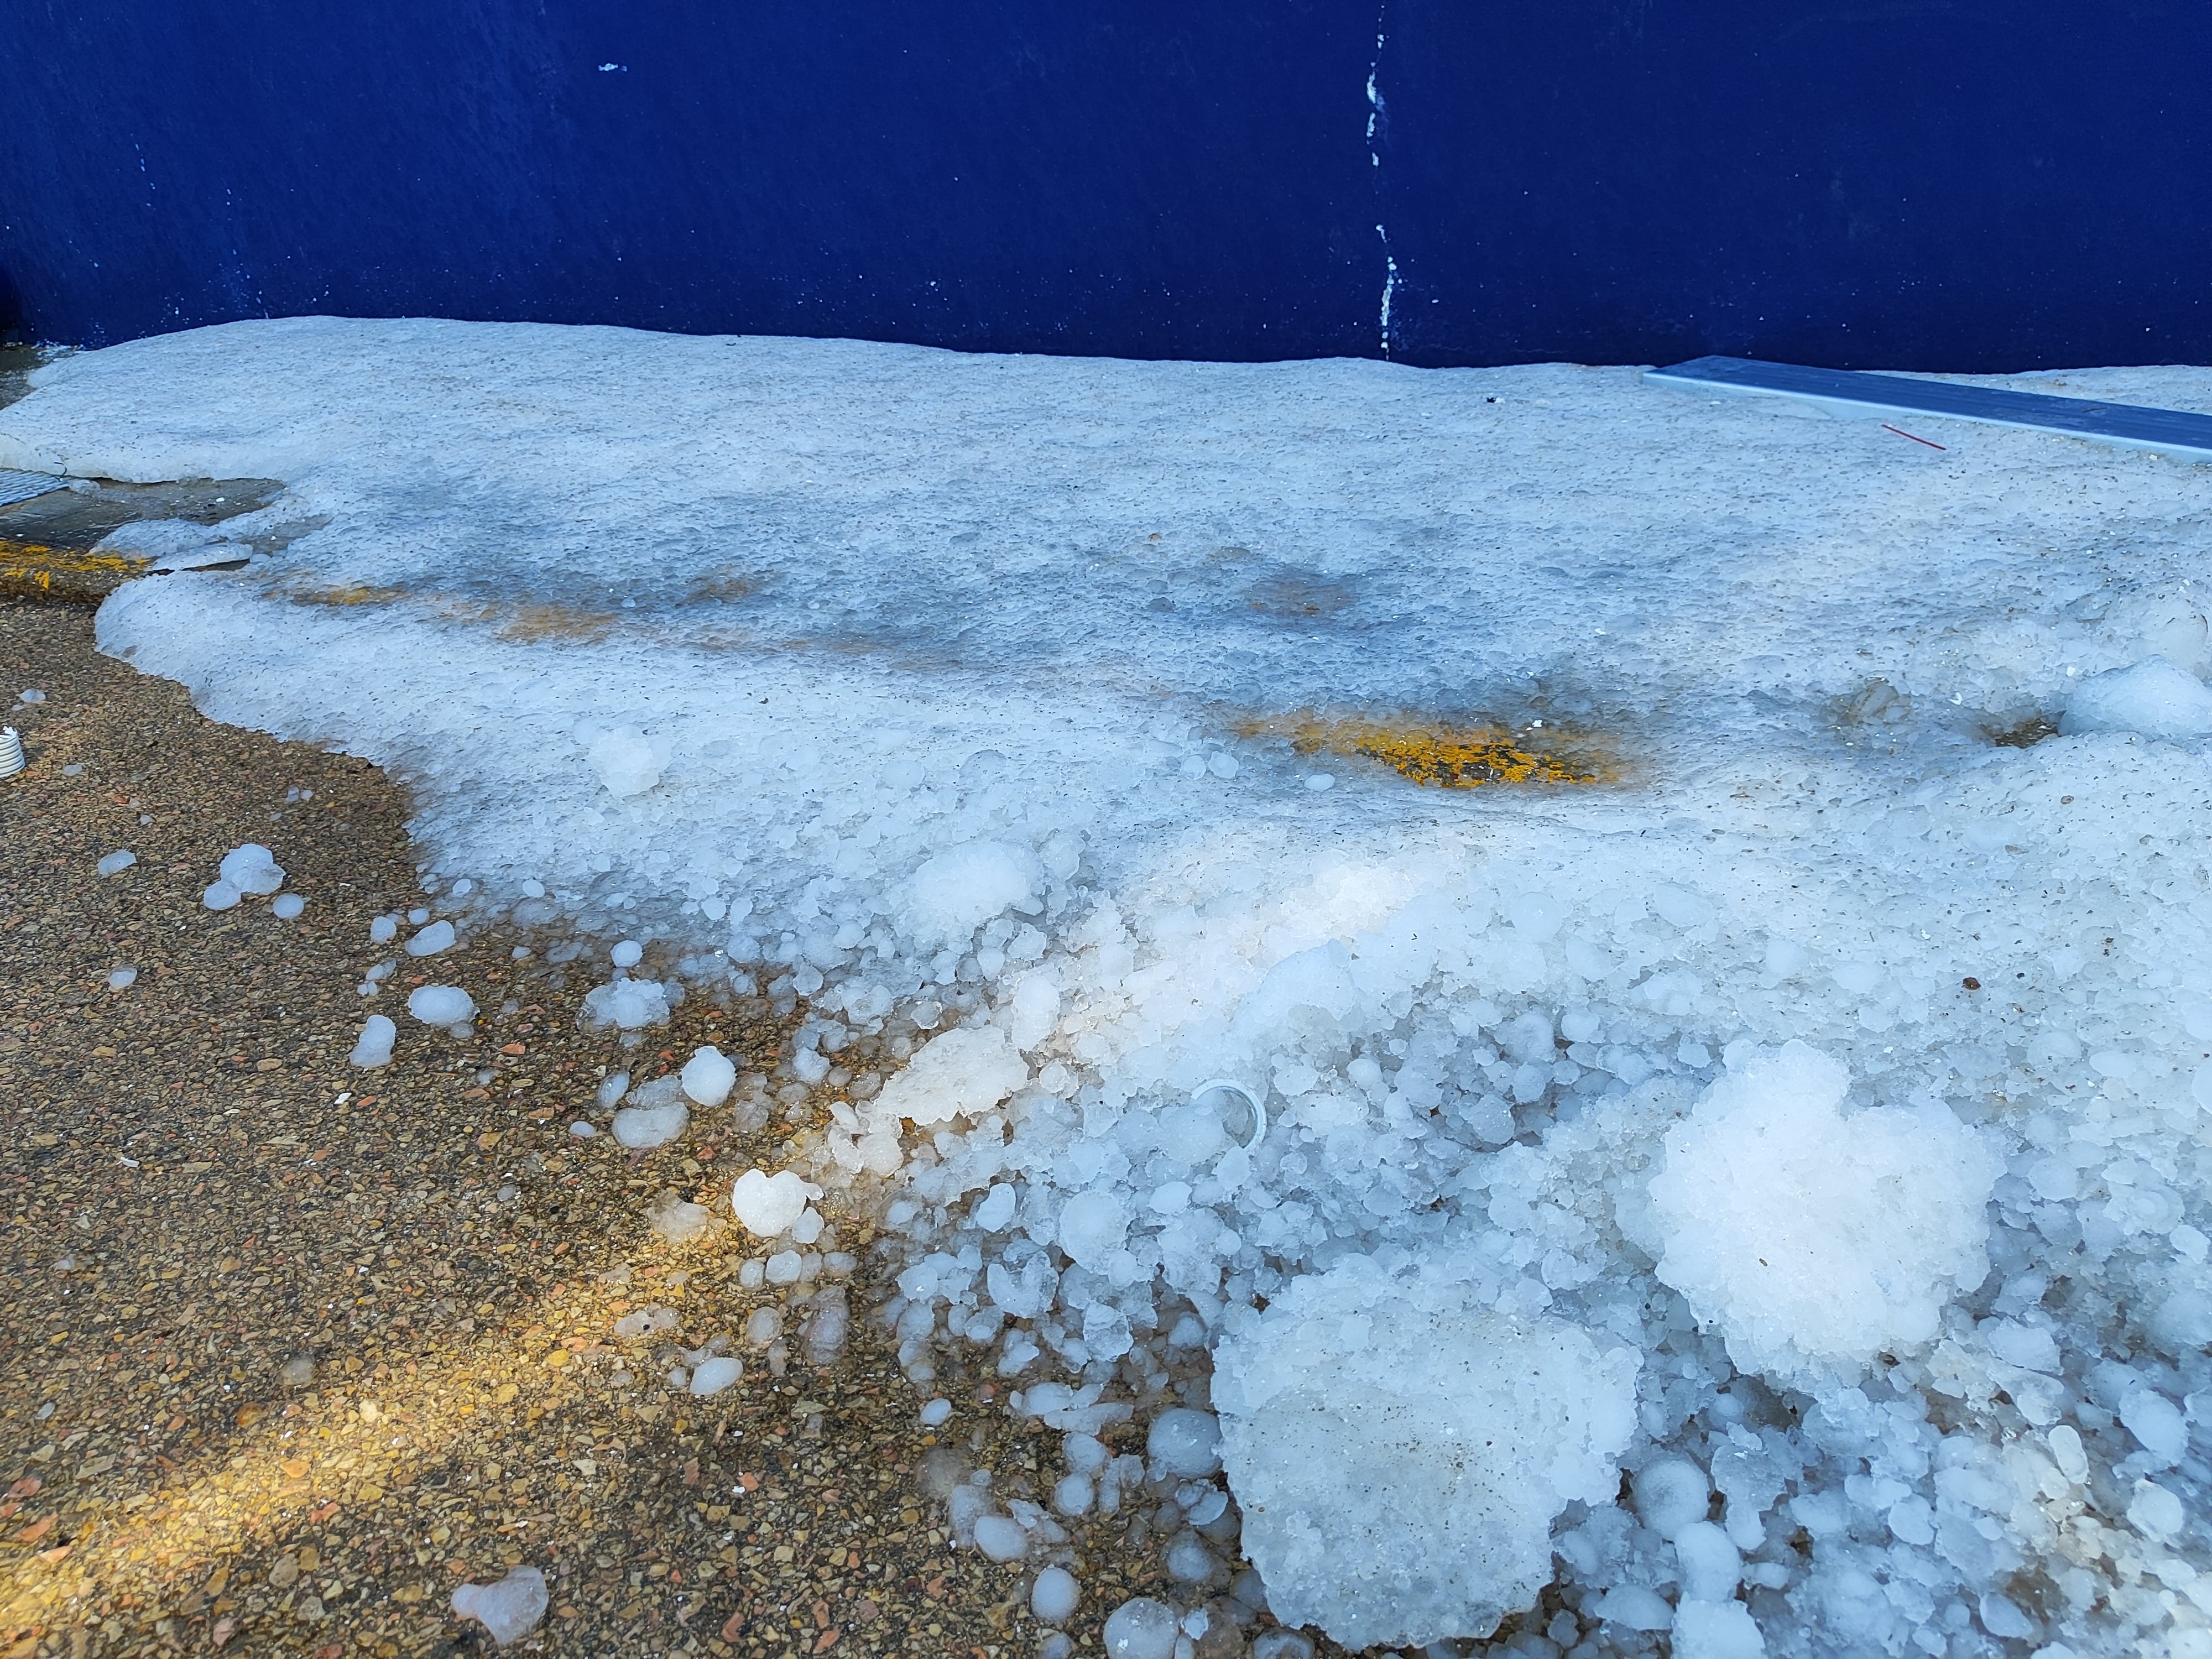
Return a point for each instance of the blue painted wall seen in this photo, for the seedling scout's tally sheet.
(1941, 183)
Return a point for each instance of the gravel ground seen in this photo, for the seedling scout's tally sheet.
(291, 1349)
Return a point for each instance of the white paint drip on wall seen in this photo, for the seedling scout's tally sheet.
(1376, 111)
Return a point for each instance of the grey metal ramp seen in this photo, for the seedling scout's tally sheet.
(21, 486)
(1855, 393)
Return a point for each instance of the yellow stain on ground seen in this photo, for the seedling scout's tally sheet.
(527, 623)
(341, 597)
(1447, 757)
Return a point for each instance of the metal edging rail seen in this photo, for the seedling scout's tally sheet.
(1856, 393)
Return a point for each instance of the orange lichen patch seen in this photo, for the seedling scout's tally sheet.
(24, 558)
(36, 571)
(1445, 756)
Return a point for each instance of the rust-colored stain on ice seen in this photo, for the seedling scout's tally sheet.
(1447, 757)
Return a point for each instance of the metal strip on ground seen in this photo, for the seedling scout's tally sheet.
(1855, 393)
(22, 486)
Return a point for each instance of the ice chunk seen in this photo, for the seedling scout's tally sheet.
(286, 907)
(1185, 1442)
(627, 953)
(935, 1413)
(1141, 1628)
(652, 1121)
(441, 1005)
(383, 930)
(1400, 1450)
(1635, 1607)
(963, 1071)
(994, 1211)
(629, 761)
(373, 1048)
(219, 896)
(122, 979)
(675, 1218)
(2029, 1347)
(1814, 1240)
(708, 1077)
(824, 1336)
(1092, 1226)
(116, 862)
(2156, 1423)
(1671, 1493)
(1709, 1564)
(2152, 696)
(1001, 1538)
(958, 890)
(1054, 1596)
(438, 936)
(2156, 1512)
(612, 1088)
(510, 1608)
(645, 1322)
(252, 868)
(1073, 1494)
(628, 1004)
(767, 1205)
(1717, 1630)
(714, 1374)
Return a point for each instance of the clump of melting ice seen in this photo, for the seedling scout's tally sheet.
(1401, 1450)
(2153, 698)
(769, 1205)
(252, 869)
(677, 1219)
(509, 1608)
(655, 1115)
(441, 1004)
(1814, 1239)
(378, 1034)
(626, 1004)
(709, 1076)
